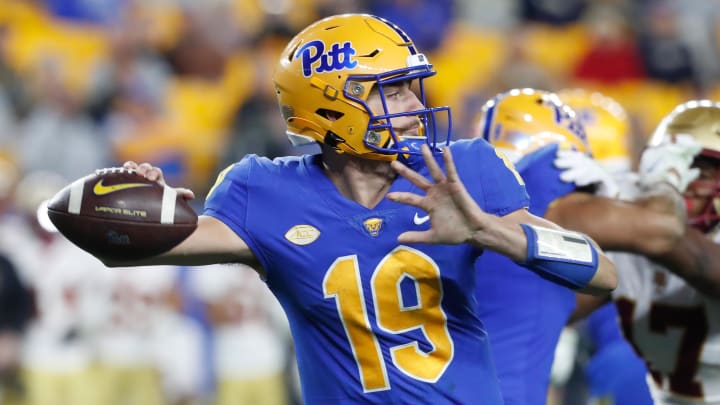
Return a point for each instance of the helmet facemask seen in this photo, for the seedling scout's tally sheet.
(381, 136)
(703, 194)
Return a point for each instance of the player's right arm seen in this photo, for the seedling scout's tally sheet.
(696, 258)
(212, 241)
(650, 226)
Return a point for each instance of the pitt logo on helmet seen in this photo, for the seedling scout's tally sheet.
(339, 57)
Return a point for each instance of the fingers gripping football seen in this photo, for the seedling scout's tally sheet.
(153, 173)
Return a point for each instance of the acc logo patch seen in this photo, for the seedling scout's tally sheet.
(315, 58)
(302, 234)
(373, 225)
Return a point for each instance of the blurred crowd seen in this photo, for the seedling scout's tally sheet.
(185, 84)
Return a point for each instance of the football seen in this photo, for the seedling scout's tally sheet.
(118, 214)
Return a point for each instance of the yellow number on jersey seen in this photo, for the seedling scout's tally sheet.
(342, 282)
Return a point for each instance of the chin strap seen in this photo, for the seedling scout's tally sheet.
(412, 145)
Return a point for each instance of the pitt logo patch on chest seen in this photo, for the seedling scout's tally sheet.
(373, 226)
(302, 234)
(316, 59)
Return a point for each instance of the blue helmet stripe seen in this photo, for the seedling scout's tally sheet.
(405, 37)
(489, 117)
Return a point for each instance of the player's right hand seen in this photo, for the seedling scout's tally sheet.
(670, 162)
(154, 173)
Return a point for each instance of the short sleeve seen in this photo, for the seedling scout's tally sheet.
(229, 198)
(490, 178)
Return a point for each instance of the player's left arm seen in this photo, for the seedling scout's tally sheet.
(696, 258)
(569, 258)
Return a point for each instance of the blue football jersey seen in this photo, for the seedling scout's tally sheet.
(615, 374)
(523, 312)
(373, 321)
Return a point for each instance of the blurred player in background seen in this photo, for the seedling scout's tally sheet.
(147, 352)
(250, 336)
(607, 126)
(376, 280)
(615, 374)
(58, 348)
(525, 312)
(96, 336)
(669, 308)
(16, 301)
(15, 298)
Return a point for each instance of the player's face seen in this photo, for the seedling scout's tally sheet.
(700, 192)
(399, 98)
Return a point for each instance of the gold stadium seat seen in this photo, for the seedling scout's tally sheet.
(655, 100)
(645, 100)
(165, 141)
(73, 50)
(467, 59)
(21, 13)
(202, 104)
(557, 49)
(162, 22)
(198, 115)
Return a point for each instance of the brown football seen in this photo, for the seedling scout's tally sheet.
(118, 214)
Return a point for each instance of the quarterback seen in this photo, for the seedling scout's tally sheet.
(369, 245)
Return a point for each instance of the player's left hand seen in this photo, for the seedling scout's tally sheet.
(579, 168)
(454, 215)
(670, 162)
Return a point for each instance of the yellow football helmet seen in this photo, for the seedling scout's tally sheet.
(701, 120)
(606, 124)
(520, 121)
(326, 73)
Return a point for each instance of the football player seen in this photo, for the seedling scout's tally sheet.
(376, 279)
(614, 372)
(525, 312)
(66, 287)
(669, 307)
(249, 336)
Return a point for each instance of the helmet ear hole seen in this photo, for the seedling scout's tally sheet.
(328, 114)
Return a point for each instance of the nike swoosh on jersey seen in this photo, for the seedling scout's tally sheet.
(418, 220)
(101, 189)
